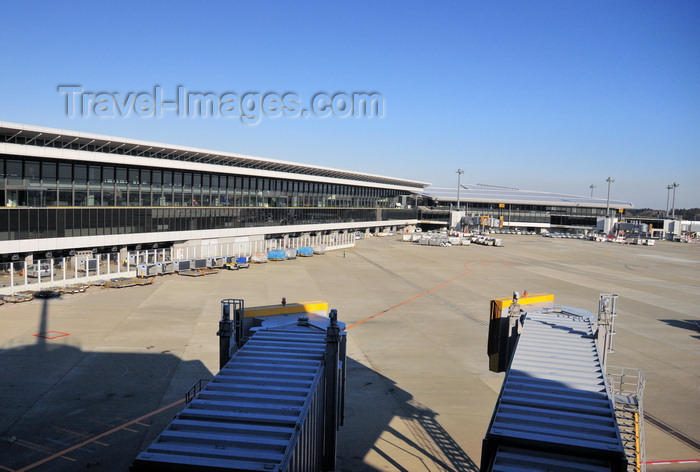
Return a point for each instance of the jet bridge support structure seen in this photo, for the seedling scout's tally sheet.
(557, 409)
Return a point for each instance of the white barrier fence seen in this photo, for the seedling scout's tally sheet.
(248, 248)
(88, 268)
(45, 273)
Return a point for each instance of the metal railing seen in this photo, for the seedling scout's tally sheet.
(42, 274)
(195, 389)
(626, 387)
(85, 267)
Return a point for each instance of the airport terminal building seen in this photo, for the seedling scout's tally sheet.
(526, 210)
(64, 190)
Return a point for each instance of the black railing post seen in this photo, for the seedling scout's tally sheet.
(238, 315)
(331, 401)
(224, 333)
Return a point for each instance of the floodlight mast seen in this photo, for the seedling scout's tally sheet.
(459, 176)
(673, 204)
(609, 180)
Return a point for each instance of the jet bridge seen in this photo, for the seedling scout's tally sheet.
(556, 409)
(276, 404)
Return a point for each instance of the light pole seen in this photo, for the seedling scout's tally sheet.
(668, 196)
(592, 187)
(673, 205)
(459, 177)
(609, 180)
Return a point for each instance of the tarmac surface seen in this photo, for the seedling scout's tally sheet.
(110, 367)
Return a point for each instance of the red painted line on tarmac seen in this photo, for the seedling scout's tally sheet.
(2, 467)
(58, 334)
(99, 436)
(410, 299)
(680, 461)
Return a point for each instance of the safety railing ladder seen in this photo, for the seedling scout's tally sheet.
(626, 388)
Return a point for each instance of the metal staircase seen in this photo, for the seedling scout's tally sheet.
(626, 387)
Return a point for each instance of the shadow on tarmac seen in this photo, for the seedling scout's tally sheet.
(56, 397)
(65, 409)
(373, 405)
(691, 325)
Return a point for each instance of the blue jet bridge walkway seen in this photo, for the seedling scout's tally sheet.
(554, 407)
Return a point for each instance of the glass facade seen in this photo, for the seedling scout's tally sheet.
(106, 145)
(554, 215)
(30, 223)
(54, 199)
(49, 183)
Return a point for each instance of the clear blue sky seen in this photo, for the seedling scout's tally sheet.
(551, 96)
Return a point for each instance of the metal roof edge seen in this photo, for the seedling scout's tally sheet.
(509, 199)
(136, 142)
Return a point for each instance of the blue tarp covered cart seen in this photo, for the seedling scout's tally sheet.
(277, 255)
(242, 262)
(306, 251)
